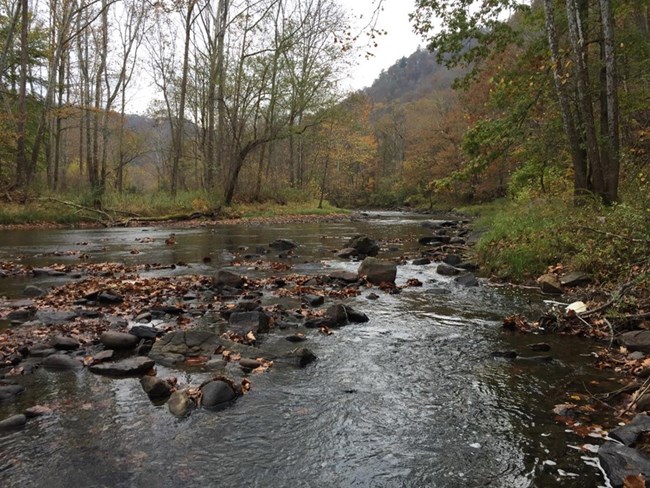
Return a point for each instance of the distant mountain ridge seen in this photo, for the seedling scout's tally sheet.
(411, 78)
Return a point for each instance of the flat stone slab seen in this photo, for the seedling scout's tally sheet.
(126, 367)
(61, 362)
(637, 340)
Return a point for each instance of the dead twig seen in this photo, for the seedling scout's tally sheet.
(615, 236)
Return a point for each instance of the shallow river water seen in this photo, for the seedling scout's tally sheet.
(413, 398)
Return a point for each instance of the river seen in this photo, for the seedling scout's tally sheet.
(413, 398)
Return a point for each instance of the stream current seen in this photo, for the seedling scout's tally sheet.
(413, 398)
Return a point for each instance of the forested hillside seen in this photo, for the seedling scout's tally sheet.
(540, 98)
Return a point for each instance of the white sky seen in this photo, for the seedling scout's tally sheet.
(399, 41)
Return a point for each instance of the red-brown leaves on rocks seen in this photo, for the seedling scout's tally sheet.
(637, 481)
(325, 330)
(413, 282)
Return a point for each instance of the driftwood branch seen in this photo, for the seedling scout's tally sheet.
(615, 236)
(616, 297)
(106, 216)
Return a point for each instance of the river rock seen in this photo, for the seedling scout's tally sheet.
(355, 316)
(175, 346)
(21, 315)
(8, 392)
(61, 362)
(64, 343)
(636, 340)
(118, 340)
(217, 393)
(347, 253)
(297, 337)
(550, 284)
(283, 245)
(247, 363)
(628, 433)
(13, 422)
(54, 317)
(337, 314)
(575, 278)
(303, 356)
(364, 245)
(620, 461)
(227, 278)
(428, 241)
(378, 271)
(314, 300)
(468, 279)
(452, 260)
(33, 291)
(37, 411)
(244, 322)
(180, 404)
(421, 262)
(155, 387)
(445, 269)
(342, 275)
(540, 347)
(143, 332)
(126, 367)
(41, 350)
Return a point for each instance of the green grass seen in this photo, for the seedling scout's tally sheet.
(523, 238)
(44, 210)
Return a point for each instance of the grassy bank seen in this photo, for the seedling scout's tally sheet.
(523, 237)
(79, 209)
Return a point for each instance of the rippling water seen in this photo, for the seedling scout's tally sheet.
(412, 398)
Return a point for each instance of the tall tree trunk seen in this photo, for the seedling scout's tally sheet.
(611, 172)
(580, 170)
(21, 146)
(180, 125)
(585, 103)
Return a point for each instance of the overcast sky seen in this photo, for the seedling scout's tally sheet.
(399, 41)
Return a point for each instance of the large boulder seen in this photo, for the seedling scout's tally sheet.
(227, 278)
(54, 317)
(620, 461)
(174, 347)
(216, 394)
(378, 271)
(127, 367)
(364, 245)
(118, 340)
(467, 279)
(628, 433)
(637, 340)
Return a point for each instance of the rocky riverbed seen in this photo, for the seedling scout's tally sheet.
(119, 321)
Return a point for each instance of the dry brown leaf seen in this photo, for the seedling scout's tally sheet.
(637, 481)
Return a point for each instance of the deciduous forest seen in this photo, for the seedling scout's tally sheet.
(512, 96)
